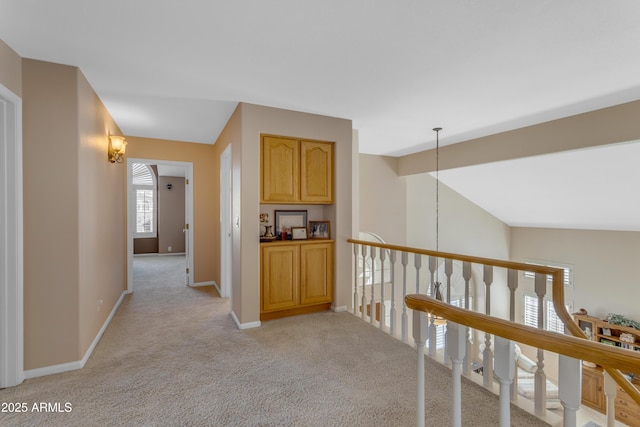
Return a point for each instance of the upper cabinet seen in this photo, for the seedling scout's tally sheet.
(296, 171)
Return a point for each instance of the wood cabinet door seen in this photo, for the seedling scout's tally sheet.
(280, 277)
(316, 273)
(316, 172)
(592, 388)
(280, 160)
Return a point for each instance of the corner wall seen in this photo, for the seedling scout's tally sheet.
(73, 229)
(10, 69)
(243, 130)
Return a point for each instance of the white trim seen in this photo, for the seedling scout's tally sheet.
(131, 214)
(226, 229)
(212, 282)
(78, 364)
(11, 242)
(244, 325)
(339, 309)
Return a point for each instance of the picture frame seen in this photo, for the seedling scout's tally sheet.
(606, 332)
(298, 233)
(319, 230)
(287, 219)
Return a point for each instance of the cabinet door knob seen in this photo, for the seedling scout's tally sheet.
(599, 388)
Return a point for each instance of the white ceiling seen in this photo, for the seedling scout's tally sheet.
(593, 189)
(176, 70)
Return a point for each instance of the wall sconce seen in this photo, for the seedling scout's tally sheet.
(117, 147)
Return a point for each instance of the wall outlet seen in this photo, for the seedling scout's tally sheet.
(169, 249)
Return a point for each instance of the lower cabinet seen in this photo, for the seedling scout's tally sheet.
(296, 277)
(593, 396)
(593, 388)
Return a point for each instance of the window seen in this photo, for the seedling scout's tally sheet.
(144, 188)
(568, 271)
(551, 320)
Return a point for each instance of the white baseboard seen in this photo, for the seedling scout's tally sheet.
(79, 364)
(339, 309)
(195, 285)
(244, 325)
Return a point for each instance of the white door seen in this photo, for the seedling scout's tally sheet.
(225, 222)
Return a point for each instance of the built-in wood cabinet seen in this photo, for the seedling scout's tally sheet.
(625, 408)
(296, 171)
(296, 277)
(593, 388)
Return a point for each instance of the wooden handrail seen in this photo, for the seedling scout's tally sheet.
(603, 355)
(612, 359)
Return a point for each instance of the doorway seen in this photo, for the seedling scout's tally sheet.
(226, 195)
(169, 175)
(11, 256)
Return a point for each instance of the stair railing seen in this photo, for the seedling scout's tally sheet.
(477, 276)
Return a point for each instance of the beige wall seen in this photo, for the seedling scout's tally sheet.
(606, 126)
(10, 69)
(73, 229)
(171, 219)
(205, 194)
(604, 265)
(243, 130)
(383, 198)
(102, 257)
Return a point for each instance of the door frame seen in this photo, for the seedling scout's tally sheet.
(226, 226)
(11, 239)
(131, 218)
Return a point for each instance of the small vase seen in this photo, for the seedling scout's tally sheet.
(268, 231)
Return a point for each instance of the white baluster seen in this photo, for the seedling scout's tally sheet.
(433, 266)
(540, 381)
(569, 377)
(456, 338)
(610, 391)
(372, 304)
(363, 307)
(448, 271)
(392, 259)
(432, 336)
(420, 338)
(356, 251)
(383, 311)
(512, 284)
(405, 317)
(487, 355)
(466, 275)
(417, 263)
(504, 367)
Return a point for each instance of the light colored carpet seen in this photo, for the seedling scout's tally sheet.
(172, 356)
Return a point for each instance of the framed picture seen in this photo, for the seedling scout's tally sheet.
(286, 220)
(298, 233)
(319, 230)
(606, 331)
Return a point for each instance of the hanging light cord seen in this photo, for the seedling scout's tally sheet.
(437, 131)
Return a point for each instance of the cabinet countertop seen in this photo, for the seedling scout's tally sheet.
(296, 242)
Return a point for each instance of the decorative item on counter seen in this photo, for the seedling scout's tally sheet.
(620, 320)
(625, 337)
(266, 235)
(284, 233)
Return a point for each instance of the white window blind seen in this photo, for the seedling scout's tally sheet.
(551, 320)
(568, 271)
(144, 187)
